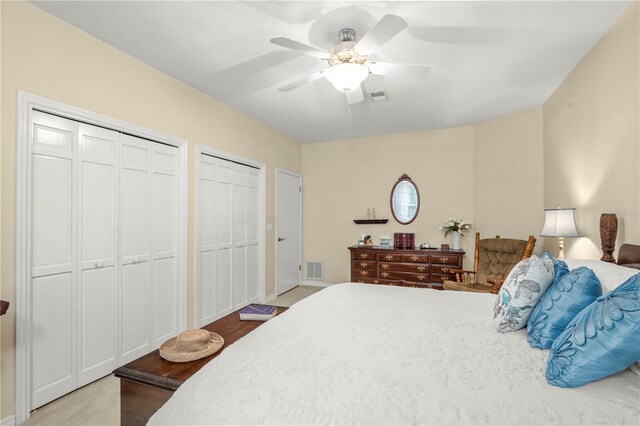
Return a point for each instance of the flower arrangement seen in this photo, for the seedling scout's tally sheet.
(455, 225)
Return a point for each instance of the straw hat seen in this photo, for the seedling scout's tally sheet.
(191, 345)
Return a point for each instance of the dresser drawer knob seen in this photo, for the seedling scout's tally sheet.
(421, 277)
(364, 273)
(422, 268)
(429, 286)
(376, 281)
(363, 255)
(414, 258)
(385, 274)
(445, 270)
(363, 264)
(384, 265)
(444, 259)
(388, 257)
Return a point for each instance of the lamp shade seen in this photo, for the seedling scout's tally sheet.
(560, 223)
(346, 77)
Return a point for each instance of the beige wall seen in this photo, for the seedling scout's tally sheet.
(592, 139)
(508, 176)
(48, 57)
(342, 179)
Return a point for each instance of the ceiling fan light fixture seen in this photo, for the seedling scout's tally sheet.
(347, 76)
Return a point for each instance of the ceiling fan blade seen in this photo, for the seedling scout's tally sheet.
(382, 32)
(299, 47)
(355, 96)
(415, 72)
(302, 81)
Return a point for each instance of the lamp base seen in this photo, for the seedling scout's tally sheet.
(561, 248)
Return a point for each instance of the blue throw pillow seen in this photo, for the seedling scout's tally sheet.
(560, 268)
(601, 340)
(560, 304)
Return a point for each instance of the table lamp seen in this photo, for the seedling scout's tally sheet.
(560, 223)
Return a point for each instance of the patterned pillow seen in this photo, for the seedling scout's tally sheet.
(601, 340)
(520, 293)
(560, 304)
(560, 268)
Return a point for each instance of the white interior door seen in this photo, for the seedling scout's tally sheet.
(52, 250)
(97, 242)
(288, 230)
(228, 238)
(135, 243)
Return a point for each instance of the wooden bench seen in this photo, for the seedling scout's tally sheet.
(149, 381)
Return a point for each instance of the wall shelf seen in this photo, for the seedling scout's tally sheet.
(369, 221)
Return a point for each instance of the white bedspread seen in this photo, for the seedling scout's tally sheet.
(366, 354)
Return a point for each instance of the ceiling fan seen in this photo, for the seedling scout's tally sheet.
(349, 63)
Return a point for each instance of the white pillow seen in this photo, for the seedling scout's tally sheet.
(521, 291)
(609, 274)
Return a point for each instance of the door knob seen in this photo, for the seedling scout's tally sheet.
(281, 238)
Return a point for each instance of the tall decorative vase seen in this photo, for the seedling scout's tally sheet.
(455, 237)
(608, 234)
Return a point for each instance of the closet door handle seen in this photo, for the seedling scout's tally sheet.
(281, 238)
(99, 265)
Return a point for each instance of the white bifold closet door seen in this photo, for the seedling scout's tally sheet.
(103, 252)
(229, 244)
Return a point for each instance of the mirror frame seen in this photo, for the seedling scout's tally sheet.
(404, 178)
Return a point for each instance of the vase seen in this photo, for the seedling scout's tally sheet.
(455, 240)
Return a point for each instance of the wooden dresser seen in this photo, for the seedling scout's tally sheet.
(408, 268)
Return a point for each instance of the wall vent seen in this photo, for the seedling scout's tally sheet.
(377, 96)
(315, 270)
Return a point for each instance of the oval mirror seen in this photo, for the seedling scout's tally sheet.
(405, 200)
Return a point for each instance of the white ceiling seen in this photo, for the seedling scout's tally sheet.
(487, 58)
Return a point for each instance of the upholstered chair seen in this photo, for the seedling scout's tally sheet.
(493, 260)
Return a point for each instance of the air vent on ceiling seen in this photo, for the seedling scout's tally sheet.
(315, 270)
(377, 96)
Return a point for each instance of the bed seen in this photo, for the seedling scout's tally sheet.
(365, 354)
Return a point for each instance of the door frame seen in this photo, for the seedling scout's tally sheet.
(275, 237)
(27, 102)
(262, 205)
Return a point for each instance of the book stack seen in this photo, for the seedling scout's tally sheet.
(258, 313)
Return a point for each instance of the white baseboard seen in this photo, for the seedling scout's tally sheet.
(270, 297)
(316, 283)
(8, 421)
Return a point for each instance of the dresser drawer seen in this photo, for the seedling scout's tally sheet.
(390, 257)
(433, 286)
(409, 276)
(363, 273)
(440, 278)
(404, 267)
(363, 264)
(444, 259)
(416, 258)
(441, 269)
(376, 281)
(361, 255)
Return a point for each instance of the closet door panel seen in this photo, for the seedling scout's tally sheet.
(252, 215)
(164, 215)
(134, 223)
(208, 230)
(239, 277)
(135, 236)
(207, 278)
(164, 300)
(223, 281)
(52, 215)
(253, 273)
(98, 215)
(223, 208)
(166, 295)
(98, 324)
(53, 333)
(134, 339)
